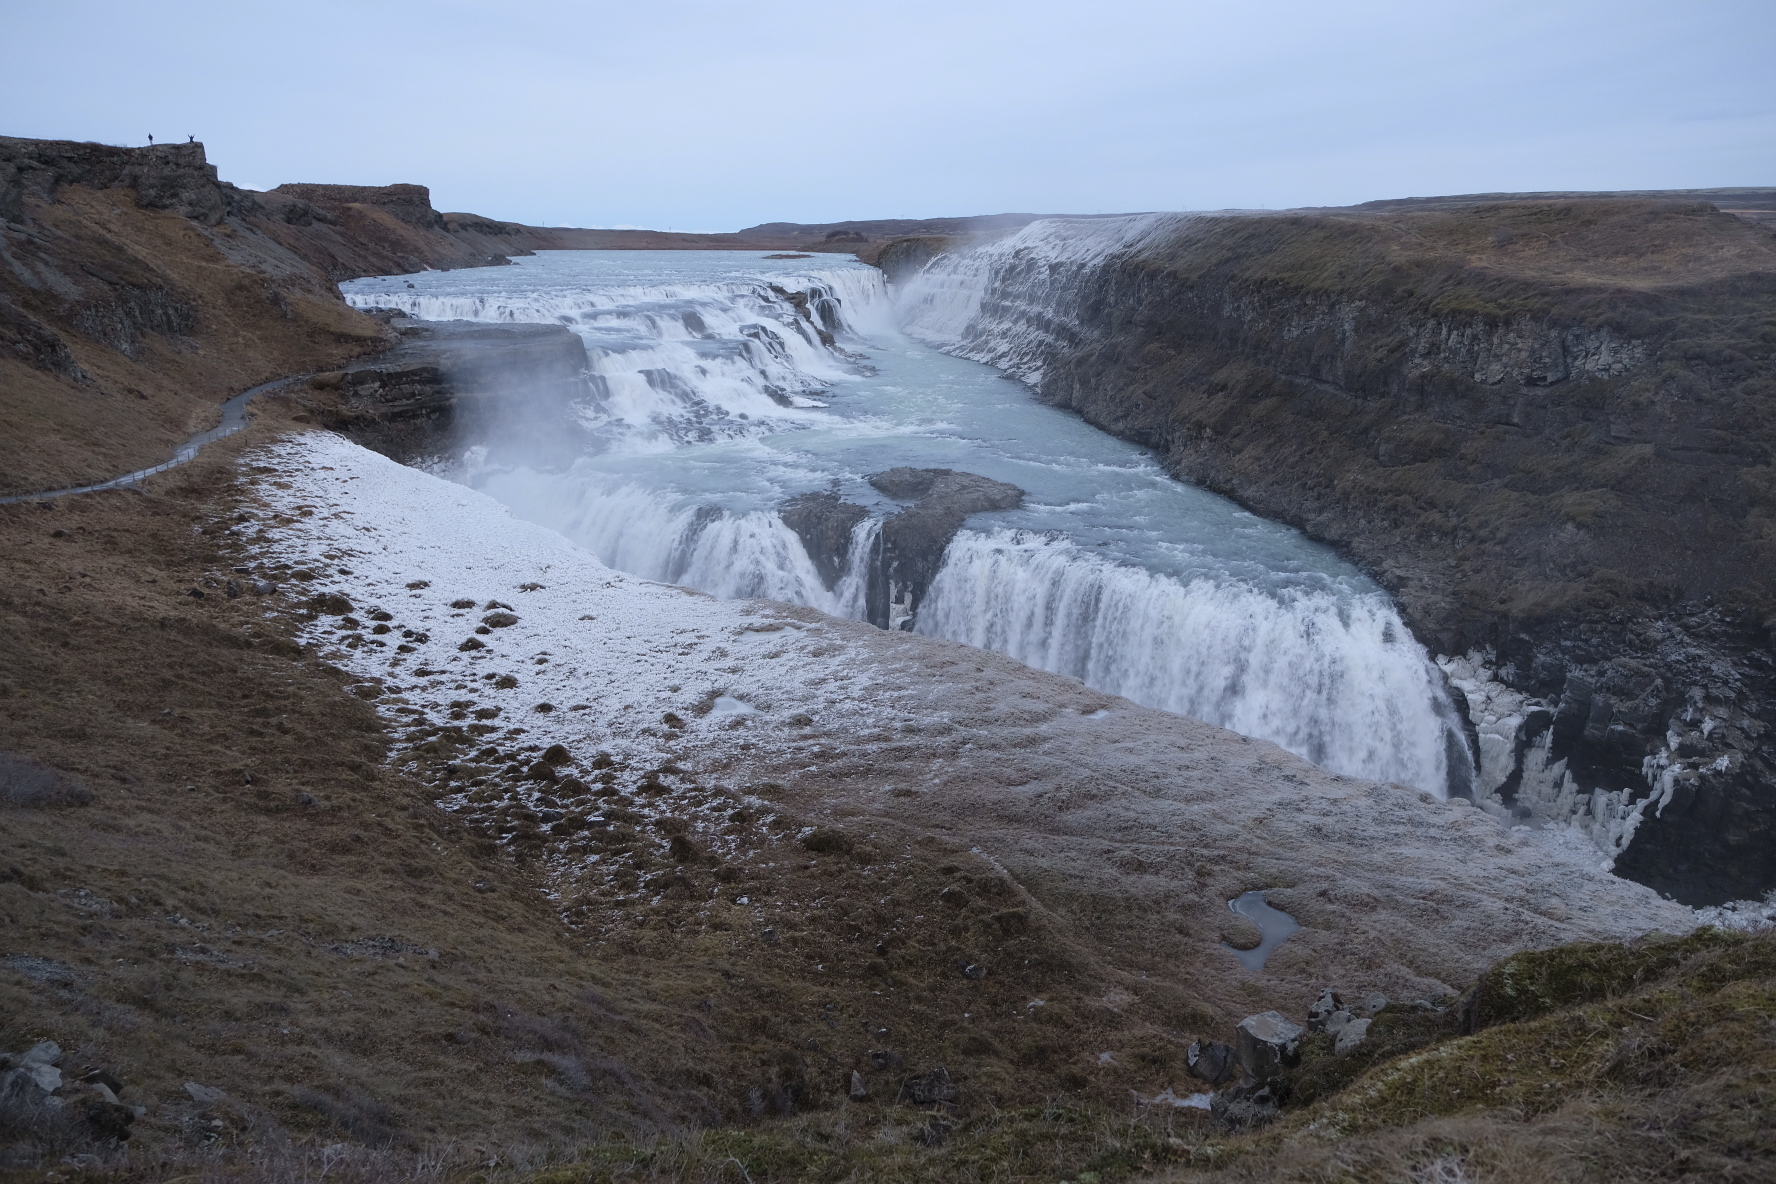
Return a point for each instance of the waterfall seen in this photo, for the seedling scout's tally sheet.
(659, 535)
(723, 387)
(673, 363)
(1331, 676)
(1012, 301)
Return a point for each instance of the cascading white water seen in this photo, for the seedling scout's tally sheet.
(1010, 301)
(716, 398)
(749, 553)
(1317, 671)
(673, 361)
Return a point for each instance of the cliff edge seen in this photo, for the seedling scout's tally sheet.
(138, 291)
(1547, 426)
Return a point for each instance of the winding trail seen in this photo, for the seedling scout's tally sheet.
(234, 418)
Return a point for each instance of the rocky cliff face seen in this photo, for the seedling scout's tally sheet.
(1548, 427)
(137, 291)
(447, 381)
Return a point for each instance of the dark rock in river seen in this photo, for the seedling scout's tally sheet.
(910, 548)
(824, 522)
(914, 540)
(510, 386)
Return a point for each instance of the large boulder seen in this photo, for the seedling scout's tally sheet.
(1268, 1044)
(1211, 1062)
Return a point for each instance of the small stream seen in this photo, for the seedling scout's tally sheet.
(1274, 928)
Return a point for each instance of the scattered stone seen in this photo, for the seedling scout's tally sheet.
(930, 1089)
(493, 604)
(196, 593)
(1350, 1036)
(541, 772)
(205, 1095)
(884, 1059)
(416, 585)
(100, 1077)
(1374, 1003)
(462, 604)
(1268, 1043)
(499, 620)
(471, 645)
(545, 708)
(1321, 1012)
(973, 970)
(233, 589)
(672, 720)
(264, 587)
(859, 1091)
(557, 754)
(330, 604)
(1212, 1062)
(47, 1078)
(505, 682)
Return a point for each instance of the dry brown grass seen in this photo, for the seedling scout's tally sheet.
(249, 324)
(253, 900)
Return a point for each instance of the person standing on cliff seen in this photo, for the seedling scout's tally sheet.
(151, 141)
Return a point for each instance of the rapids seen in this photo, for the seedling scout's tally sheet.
(722, 383)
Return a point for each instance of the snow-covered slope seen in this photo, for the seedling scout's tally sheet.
(1083, 798)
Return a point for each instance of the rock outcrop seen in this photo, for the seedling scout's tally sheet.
(909, 548)
(138, 291)
(1545, 426)
(439, 385)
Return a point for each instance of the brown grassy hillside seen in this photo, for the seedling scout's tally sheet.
(226, 886)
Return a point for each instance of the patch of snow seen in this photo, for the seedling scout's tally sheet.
(773, 704)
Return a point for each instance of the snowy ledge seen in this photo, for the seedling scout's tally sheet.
(779, 711)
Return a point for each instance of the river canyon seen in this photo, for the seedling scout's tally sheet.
(740, 415)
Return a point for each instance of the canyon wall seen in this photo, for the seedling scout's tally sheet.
(137, 291)
(1547, 427)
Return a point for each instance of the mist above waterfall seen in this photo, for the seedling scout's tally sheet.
(721, 386)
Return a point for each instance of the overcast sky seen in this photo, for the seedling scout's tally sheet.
(691, 114)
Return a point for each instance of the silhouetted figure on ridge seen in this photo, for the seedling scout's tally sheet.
(150, 141)
(191, 139)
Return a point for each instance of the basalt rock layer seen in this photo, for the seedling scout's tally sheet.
(1548, 427)
(910, 545)
(450, 379)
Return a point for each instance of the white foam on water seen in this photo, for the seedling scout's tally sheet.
(1332, 677)
(715, 397)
